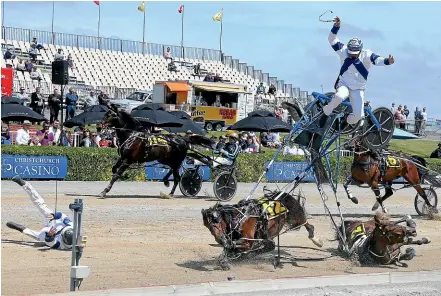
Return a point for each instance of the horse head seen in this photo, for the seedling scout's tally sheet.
(391, 233)
(111, 117)
(215, 222)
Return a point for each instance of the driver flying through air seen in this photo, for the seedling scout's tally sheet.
(354, 71)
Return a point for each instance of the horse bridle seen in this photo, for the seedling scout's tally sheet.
(388, 237)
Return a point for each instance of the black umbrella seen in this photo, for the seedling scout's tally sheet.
(18, 112)
(91, 115)
(150, 106)
(258, 123)
(11, 100)
(156, 117)
(189, 125)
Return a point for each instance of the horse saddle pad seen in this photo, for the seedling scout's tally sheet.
(154, 140)
(357, 232)
(274, 208)
(392, 162)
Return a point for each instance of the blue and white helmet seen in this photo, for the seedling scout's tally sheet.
(355, 46)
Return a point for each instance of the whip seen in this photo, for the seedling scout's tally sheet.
(326, 21)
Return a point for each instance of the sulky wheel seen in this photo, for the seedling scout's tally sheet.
(375, 138)
(420, 205)
(191, 182)
(225, 186)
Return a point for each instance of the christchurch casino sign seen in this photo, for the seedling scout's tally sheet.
(34, 167)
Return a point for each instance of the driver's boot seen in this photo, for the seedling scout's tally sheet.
(410, 253)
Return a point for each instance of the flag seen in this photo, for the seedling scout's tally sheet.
(218, 16)
(181, 8)
(96, 2)
(141, 6)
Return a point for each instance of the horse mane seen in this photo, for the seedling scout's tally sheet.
(382, 218)
(131, 122)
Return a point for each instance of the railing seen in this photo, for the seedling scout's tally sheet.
(73, 40)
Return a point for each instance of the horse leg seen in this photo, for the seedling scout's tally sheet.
(116, 166)
(311, 236)
(115, 177)
(379, 201)
(165, 179)
(348, 191)
(176, 180)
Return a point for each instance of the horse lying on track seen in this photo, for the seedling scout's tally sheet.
(137, 146)
(379, 240)
(251, 225)
(366, 168)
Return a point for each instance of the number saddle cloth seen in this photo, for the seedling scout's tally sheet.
(157, 141)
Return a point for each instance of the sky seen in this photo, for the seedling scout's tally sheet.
(284, 39)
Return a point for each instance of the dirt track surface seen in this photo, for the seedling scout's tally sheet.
(137, 239)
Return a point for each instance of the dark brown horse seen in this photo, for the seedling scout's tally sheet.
(252, 225)
(379, 240)
(366, 168)
(138, 146)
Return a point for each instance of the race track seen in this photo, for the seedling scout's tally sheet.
(137, 239)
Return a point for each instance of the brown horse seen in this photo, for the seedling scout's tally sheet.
(379, 240)
(366, 168)
(138, 146)
(252, 225)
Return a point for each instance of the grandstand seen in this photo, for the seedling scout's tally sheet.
(120, 67)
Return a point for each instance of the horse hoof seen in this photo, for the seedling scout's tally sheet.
(376, 205)
(425, 240)
(317, 242)
(102, 195)
(354, 200)
(165, 196)
(167, 183)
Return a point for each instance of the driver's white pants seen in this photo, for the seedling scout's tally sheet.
(357, 101)
(38, 201)
(222, 160)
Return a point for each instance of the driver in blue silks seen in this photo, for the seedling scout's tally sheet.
(228, 152)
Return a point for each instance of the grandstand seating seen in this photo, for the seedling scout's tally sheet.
(127, 69)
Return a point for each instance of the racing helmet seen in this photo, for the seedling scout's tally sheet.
(355, 46)
(67, 235)
(234, 136)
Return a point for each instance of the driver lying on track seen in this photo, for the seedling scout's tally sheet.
(57, 232)
(228, 152)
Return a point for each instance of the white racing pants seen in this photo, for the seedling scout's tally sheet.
(39, 202)
(217, 161)
(357, 102)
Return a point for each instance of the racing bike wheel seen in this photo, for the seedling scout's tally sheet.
(420, 205)
(191, 182)
(375, 138)
(225, 186)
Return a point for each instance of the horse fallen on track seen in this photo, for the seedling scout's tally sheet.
(138, 146)
(251, 225)
(379, 240)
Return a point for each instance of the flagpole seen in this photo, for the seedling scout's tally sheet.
(99, 19)
(3, 14)
(182, 33)
(53, 13)
(143, 30)
(220, 38)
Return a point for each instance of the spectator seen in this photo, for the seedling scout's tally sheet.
(418, 119)
(272, 90)
(172, 66)
(214, 140)
(95, 140)
(423, 122)
(260, 89)
(168, 54)
(37, 101)
(397, 116)
(59, 56)
(197, 69)
(87, 140)
(46, 138)
(9, 64)
(402, 120)
(56, 131)
(217, 78)
(392, 109)
(37, 45)
(23, 97)
(290, 149)
(406, 111)
(278, 113)
(437, 152)
(71, 103)
(251, 145)
(33, 53)
(21, 66)
(91, 100)
(70, 61)
(54, 103)
(29, 66)
(23, 137)
(103, 99)
(8, 55)
(35, 74)
(221, 143)
(6, 135)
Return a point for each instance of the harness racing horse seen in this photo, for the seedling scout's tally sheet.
(251, 225)
(366, 168)
(137, 146)
(379, 240)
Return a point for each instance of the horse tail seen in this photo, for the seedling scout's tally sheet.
(199, 140)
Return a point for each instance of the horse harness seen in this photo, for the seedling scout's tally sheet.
(382, 162)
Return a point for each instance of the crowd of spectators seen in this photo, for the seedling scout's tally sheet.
(401, 115)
